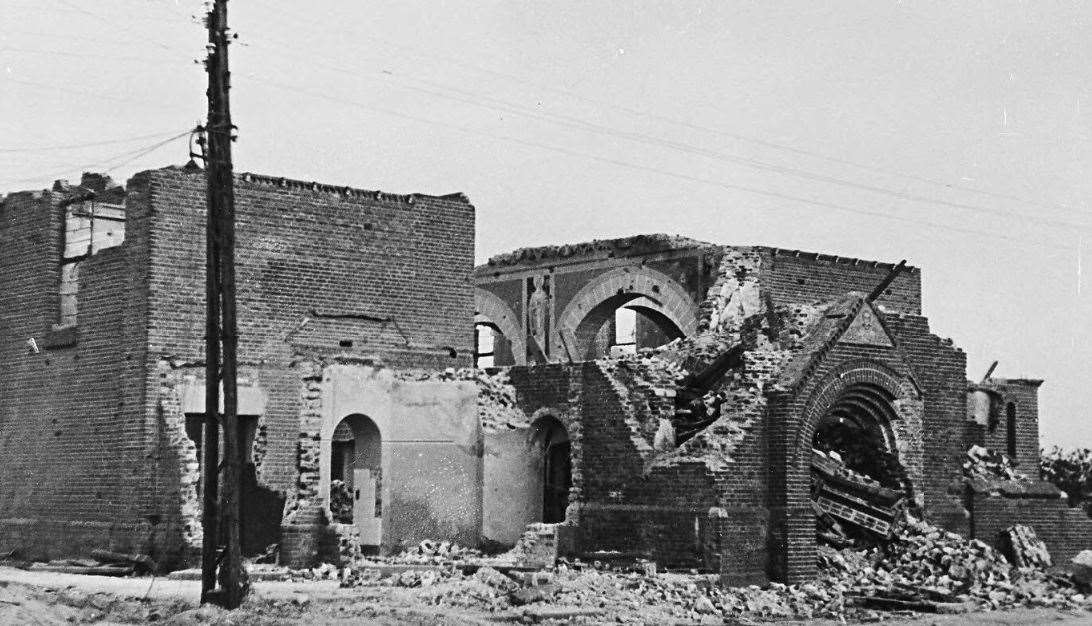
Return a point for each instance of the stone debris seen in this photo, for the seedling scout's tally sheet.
(920, 569)
(1081, 568)
(932, 565)
(536, 547)
(435, 552)
(1024, 548)
(841, 495)
(985, 464)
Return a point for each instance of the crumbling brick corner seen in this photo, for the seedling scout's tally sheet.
(304, 518)
(177, 473)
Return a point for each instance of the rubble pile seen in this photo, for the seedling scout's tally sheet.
(341, 502)
(435, 552)
(851, 508)
(922, 568)
(925, 564)
(987, 465)
(1024, 548)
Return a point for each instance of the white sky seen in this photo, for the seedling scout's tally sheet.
(567, 121)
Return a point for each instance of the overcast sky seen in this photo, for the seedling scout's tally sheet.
(956, 137)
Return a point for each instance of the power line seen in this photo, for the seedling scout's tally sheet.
(686, 124)
(90, 144)
(648, 169)
(114, 25)
(85, 92)
(110, 163)
(480, 100)
(81, 55)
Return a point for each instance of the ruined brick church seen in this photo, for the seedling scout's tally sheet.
(652, 395)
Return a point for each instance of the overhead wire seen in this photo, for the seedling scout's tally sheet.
(515, 108)
(85, 92)
(115, 26)
(109, 163)
(481, 100)
(648, 169)
(415, 51)
(90, 144)
(80, 55)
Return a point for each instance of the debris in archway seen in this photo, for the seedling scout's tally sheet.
(341, 502)
(852, 508)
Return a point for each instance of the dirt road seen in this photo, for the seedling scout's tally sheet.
(47, 598)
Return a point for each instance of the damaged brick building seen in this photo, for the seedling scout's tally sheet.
(695, 382)
(653, 395)
(345, 297)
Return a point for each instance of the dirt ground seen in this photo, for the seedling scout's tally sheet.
(47, 598)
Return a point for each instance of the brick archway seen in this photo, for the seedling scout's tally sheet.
(574, 429)
(793, 536)
(661, 297)
(496, 311)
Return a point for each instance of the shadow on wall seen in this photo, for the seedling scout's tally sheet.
(260, 514)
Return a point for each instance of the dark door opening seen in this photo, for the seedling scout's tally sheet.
(556, 482)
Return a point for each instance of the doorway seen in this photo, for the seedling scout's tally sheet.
(356, 484)
(556, 469)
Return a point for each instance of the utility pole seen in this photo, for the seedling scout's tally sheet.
(221, 522)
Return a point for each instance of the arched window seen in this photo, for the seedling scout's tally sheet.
(1010, 432)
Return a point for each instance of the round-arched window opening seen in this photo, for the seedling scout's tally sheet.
(624, 324)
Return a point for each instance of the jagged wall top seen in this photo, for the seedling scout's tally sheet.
(623, 246)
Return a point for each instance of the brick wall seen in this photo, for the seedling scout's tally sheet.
(664, 513)
(321, 271)
(1065, 531)
(87, 444)
(792, 276)
(1021, 433)
(73, 450)
(941, 369)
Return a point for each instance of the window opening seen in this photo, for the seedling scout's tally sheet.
(485, 344)
(88, 228)
(625, 332)
(1010, 418)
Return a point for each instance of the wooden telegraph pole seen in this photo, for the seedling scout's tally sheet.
(221, 515)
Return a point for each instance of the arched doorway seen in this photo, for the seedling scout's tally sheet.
(356, 462)
(882, 405)
(857, 428)
(552, 441)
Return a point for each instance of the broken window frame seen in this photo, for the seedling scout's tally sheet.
(488, 358)
(68, 270)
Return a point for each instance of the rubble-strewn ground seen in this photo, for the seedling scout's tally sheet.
(49, 598)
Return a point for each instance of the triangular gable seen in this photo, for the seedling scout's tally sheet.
(867, 329)
(851, 320)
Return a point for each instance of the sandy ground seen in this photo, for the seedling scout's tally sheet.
(47, 598)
